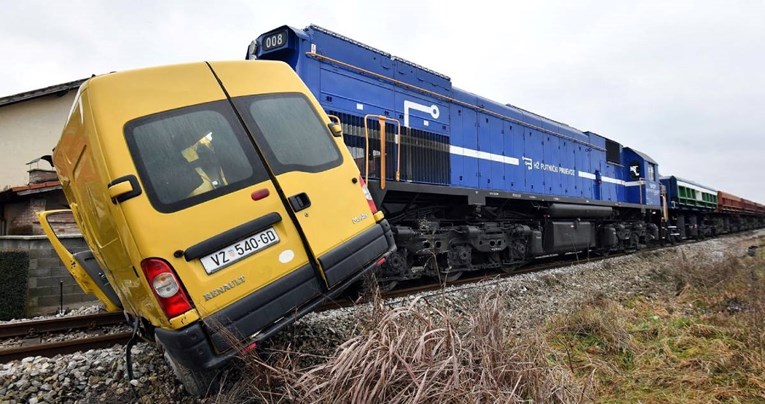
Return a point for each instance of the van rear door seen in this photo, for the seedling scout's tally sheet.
(194, 193)
(245, 204)
(312, 168)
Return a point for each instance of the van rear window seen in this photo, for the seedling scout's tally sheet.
(290, 132)
(190, 155)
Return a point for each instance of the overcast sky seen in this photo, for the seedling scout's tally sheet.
(683, 81)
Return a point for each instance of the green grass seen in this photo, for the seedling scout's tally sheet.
(707, 344)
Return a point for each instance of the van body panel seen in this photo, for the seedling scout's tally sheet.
(156, 233)
(338, 211)
(81, 167)
(227, 173)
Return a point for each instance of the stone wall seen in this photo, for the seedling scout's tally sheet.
(46, 272)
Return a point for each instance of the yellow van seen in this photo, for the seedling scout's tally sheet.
(219, 203)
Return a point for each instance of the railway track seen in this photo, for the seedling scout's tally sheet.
(39, 327)
(49, 349)
(63, 347)
(35, 327)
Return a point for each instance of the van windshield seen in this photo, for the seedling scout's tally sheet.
(189, 155)
(290, 132)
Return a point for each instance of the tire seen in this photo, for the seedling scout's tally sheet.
(198, 383)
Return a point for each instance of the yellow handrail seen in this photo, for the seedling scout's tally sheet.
(382, 120)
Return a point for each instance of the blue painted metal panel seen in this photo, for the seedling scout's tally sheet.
(470, 169)
(495, 142)
(552, 185)
(457, 161)
(567, 168)
(533, 157)
(409, 106)
(347, 92)
(513, 147)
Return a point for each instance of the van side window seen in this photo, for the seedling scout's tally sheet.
(190, 155)
(290, 132)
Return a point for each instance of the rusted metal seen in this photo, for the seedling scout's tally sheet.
(64, 347)
(35, 327)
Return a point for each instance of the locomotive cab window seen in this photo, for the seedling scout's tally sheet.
(613, 152)
(651, 176)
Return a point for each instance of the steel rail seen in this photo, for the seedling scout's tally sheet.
(36, 327)
(63, 347)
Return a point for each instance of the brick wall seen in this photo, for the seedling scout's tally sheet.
(25, 221)
(21, 218)
(38, 176)
(46, 271)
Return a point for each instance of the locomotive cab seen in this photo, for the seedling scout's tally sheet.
(641, 179)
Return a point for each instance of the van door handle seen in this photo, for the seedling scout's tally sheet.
(299, 201)
(124, 188)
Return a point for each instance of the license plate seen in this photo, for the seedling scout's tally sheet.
(235, 252)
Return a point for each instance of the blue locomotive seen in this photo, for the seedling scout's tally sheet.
(469, 183)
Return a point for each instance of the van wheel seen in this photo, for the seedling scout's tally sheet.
(197, 383)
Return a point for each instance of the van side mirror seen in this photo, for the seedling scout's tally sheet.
(336, 129)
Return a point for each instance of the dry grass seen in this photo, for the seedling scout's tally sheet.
(421, 353)
(705, 344)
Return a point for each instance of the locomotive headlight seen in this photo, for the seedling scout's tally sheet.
(165, 285)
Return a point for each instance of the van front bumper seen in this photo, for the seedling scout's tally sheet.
(264, 312)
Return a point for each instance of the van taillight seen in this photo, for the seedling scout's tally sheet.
(166, 287)
(370, 201)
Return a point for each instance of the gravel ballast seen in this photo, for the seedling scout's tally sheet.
(99, 375)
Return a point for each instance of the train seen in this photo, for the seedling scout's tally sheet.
(469, 184)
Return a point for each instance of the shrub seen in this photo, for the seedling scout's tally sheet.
(14, 271)
(421, 353)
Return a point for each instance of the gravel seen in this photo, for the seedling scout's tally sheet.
(56, 336)
(80, 311)
(99, 375)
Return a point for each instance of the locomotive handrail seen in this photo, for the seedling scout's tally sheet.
(382, 121)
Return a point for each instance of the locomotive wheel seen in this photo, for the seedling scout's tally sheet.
(450, 276)
(634, 242)
(511, 268)
(387, 286)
